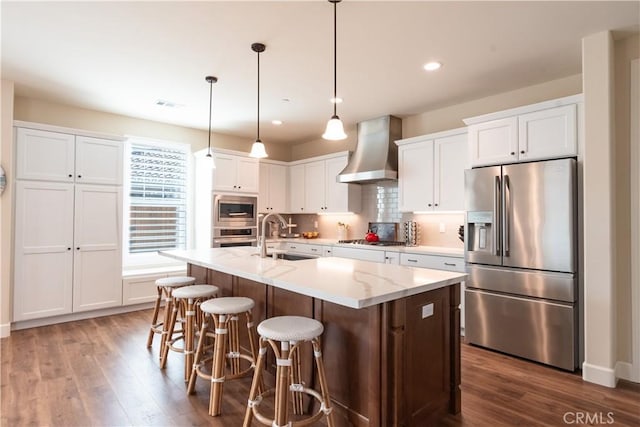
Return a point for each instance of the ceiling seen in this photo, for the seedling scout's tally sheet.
(121, 57)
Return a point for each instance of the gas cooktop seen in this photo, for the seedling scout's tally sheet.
(380, 243)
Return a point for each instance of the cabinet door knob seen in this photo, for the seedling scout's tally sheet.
(522, 152)
(68, 249)
(436, 204)
(70, 175)
(79, 176)
(78, 248)
(513, 153)
(429, 205)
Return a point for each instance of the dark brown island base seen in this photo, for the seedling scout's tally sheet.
(396, 363)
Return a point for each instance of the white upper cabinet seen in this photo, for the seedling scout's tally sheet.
(235, 174)
(541, 131)
(450, 159)
(273, 188)
(494, 142)
(315, 184)
(339, 196)
(431, 172)
(548, 133)
(296, 189)
(415, 176)
(314, 187)
(98, 161)
(54, 156)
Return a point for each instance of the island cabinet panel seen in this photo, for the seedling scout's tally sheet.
(352, 354)
(198, 273)
(393, 364)
(258, 293)
(419, 367)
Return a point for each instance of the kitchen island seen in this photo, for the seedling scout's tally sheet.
(391, 343)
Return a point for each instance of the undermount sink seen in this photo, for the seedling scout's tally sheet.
(292, 257)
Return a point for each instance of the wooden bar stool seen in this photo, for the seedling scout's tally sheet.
(164, 287)
(190, 298)
(285, 334)
(224, 312)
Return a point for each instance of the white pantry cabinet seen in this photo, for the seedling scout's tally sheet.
(273, 188)
(235, 174)
(541, 131)
(68, 254)
(68, 246)
(314, 188)
(63, 157)
(431, 172)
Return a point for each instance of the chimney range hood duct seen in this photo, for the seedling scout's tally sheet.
(376, 155)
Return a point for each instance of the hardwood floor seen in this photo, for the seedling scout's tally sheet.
(98, 372)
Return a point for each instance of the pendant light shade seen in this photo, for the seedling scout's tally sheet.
(257, 149)
(208, 157)
(335, 129)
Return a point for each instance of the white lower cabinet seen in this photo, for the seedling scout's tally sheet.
(438, 262)
(304, 249)
(68, 255)
(361, 254)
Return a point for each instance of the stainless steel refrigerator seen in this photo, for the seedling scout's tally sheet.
(521, 252)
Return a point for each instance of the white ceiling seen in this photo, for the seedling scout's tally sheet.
(120, 57)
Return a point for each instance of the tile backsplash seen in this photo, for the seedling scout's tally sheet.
(380, 204)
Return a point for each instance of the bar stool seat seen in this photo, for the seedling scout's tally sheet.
(224, 313)
(290, 332)
(290, 328)
(165, 286)
(189, 299)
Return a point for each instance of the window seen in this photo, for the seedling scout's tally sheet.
(157, 203)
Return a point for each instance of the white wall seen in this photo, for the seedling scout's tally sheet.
(599, 251)
(6, 208)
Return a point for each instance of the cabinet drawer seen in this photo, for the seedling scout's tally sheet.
(433, 261)
(303, 248)
(361, 254)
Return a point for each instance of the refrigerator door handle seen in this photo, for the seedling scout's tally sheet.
(496, 214)
(507, 215)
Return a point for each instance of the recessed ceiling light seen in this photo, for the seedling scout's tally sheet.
(276, 122)
(337, 100)
(432, 66)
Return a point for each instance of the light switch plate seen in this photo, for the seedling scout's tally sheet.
(442, 229)
(427, 310)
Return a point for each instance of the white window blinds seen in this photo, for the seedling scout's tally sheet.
(158, 199)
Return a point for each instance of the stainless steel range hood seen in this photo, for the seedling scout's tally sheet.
(376, 155)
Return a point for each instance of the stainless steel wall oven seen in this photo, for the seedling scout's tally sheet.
(234, 220)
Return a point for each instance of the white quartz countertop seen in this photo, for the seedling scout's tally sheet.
(427, 250)
(348, 282)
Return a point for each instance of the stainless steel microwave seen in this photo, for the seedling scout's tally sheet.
(235, 211)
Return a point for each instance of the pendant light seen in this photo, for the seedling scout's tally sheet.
(335, 129)
(257, 149)
(209, 158)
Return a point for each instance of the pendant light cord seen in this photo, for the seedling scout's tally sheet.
(335, 59)
(210, 106)
(258, 121)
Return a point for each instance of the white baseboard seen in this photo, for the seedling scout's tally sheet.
(5, 330)
(34, 323)
(599, 375)
(625, 371)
